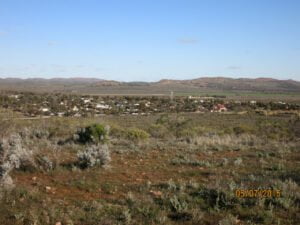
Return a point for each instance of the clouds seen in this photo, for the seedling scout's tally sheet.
(188, 41)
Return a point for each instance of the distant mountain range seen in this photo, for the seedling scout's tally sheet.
(241, 84)
(99, 86)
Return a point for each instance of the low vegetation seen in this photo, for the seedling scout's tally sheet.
(95, 155)
(95, 133)
(176, 168)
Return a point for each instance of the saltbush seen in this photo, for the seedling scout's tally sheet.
(95, 155)
(45, 163)
(13, 155)
(178, 205)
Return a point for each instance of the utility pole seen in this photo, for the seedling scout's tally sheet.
(171, 96)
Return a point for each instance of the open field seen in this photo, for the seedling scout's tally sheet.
(176, 168)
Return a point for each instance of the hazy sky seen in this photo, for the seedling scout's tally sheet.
(150, 39)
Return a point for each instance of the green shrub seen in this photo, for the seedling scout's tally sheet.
(136, 134)
(94, 133)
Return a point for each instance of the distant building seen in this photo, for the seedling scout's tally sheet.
(44, 109)
(14, 96)
(201, 97)
(194, 97)
(85, 101)
(281, 103)
(102, 106)
(219, 108)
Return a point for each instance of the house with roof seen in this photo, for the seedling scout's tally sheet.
(219, 108)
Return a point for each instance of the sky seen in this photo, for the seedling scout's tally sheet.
(149, 40)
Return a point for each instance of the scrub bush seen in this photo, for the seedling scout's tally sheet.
(95, 155)
(96, 133)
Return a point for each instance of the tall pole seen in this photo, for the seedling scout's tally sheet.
(171, 96)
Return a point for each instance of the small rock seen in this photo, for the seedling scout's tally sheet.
(48, 188)
(58, 223)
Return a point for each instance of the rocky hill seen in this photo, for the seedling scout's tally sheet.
(99, 86)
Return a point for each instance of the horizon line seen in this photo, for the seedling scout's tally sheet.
(103, 79)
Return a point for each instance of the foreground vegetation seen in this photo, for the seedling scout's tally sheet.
(177, 168)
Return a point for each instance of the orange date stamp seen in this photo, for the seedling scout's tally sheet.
(257, 193)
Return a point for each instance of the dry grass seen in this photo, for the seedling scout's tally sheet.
(166, 178)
